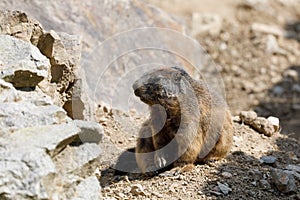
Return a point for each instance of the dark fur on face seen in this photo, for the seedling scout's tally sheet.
(162, 87)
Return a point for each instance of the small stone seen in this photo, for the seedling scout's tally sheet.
(262, 125)
(284, 180)
(272, 46)
(278, 90)
(137, 190)
(268, 160)
(248, 117)
(264, 184)
(236, 119)
(275, 122)
(291, 73)
(256, 175)
(295, 168)
(268, 29)
(224, 188)
(226, 174)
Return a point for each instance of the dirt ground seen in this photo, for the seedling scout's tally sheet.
(255, 80)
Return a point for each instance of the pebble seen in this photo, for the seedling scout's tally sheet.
(256, 174)
(226, 174)
(264, 184)
(268, 29)
(268, 160)
(295, 168)
(272, 46)
(137, 190)
(224, 188)
(248, 117)
(284, 180)
(291, 73)
(262, 125)
(274, 121)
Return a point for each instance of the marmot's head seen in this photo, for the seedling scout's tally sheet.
(162, 86)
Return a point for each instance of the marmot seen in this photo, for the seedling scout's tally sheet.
(188, 122)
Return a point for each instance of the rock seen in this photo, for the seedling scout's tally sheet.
(87, 189)
(292, 74)
(248, 117)
(75, 157)
(137, 190)
(22, 171)
(278, 90)
(272, 46)
(264, 126)
(206, 23)
(26, 114)
(7, 92)
(236, 119)
(256, 175)
(226, 174)
(284, 180)
(23, 64)
(20, 25)
(295, 168)
(91, 132)
(268, 160)
(53, 138)
(264, 184)
(275, 122)
(268, 29)
(224, 188)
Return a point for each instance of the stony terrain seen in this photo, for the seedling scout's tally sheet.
(52, 148)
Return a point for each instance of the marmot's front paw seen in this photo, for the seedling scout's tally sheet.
(160, 160)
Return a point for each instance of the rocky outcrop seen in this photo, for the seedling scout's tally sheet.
(23, 65)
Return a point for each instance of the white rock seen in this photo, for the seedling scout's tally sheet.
(268, 29)
(88, 189)
(275, 122)
(272, 46)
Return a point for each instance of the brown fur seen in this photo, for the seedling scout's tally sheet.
(188, 122)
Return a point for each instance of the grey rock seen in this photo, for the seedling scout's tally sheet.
(26, 114)
(75, 157)
(248, 117)
(91, 132)
(7, 92)
(264, 126)
(268, 159)
(264, 184)
(224, 188)
(22, 171)
(88, 189)
(52, 138)
(256, 175)
(23, 64)
(295, 168)
(278, 90)
(284, 180)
